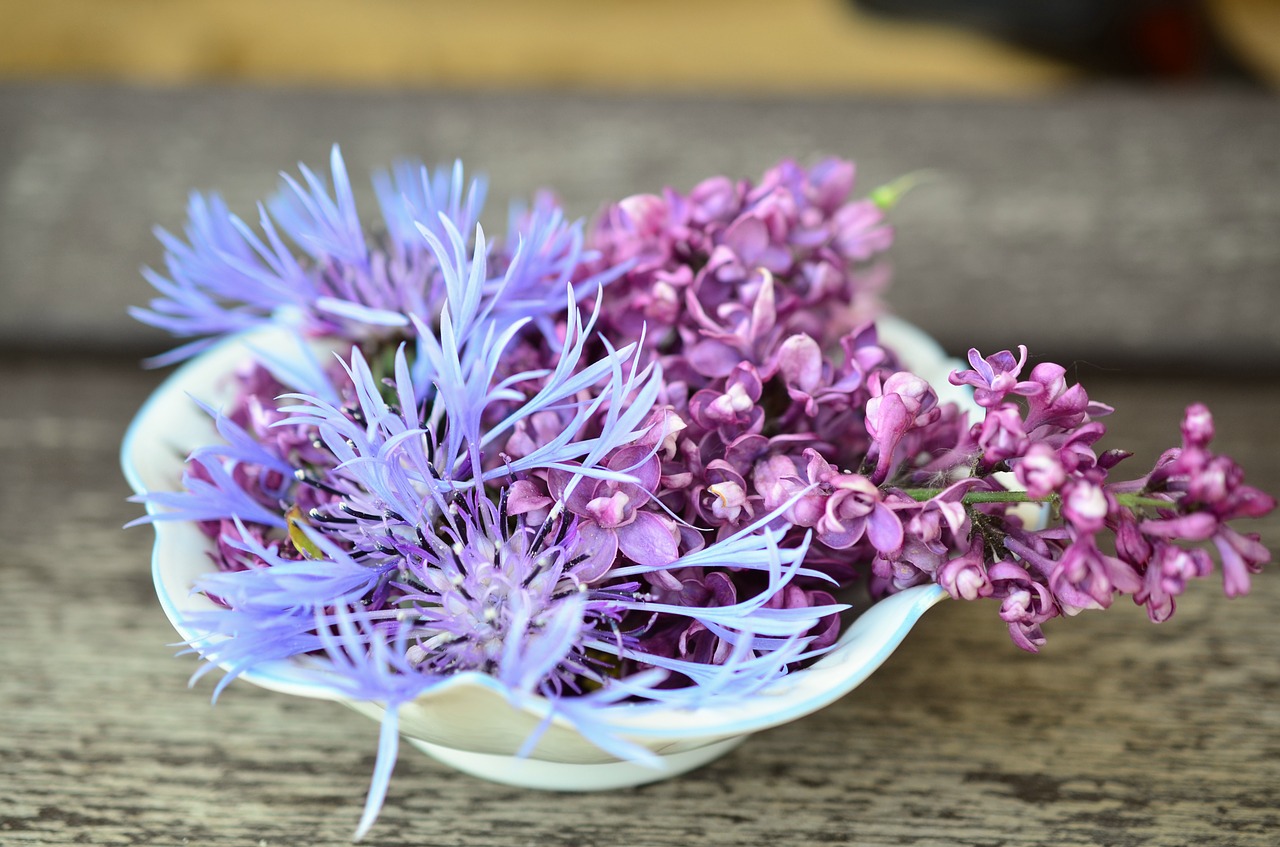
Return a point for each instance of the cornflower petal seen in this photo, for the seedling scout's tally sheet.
(237, 641)
(360, 313)
(323, 226)
(412, 194)
(240, 446)
(372, 669)
(288, 587)
(298, 369)
(210, 496)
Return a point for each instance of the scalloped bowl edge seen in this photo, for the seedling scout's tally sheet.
(471, 721)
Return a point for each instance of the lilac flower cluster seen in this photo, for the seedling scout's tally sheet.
(643, 462)
(697, 262)
(1047, 440)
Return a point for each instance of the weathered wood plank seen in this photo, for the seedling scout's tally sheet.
(1122, 733)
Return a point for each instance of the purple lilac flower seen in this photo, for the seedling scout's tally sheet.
(1190, 497)
(730, 262)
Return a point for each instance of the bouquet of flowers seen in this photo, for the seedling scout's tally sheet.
(640, 461)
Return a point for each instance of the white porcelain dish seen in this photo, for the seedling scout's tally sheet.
(471, 722)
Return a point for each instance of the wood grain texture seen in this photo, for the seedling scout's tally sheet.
(1113, 224)
(1122, 733)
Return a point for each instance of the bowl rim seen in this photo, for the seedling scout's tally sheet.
(869, 639)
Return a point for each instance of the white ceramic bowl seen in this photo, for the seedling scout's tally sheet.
(471, 722)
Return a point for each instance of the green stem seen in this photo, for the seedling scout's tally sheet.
(1130, 501)
(1137, 501)
(887, 196)
(922, 494)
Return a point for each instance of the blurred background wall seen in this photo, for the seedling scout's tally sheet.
(1108, 171)
(726, 45)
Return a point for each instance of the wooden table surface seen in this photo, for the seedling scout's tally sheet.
(1120, 733)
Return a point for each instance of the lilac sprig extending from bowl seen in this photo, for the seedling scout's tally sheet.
(637, 467)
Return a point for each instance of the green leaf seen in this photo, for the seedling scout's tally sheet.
(299, 536)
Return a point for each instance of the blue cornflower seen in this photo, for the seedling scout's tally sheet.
(392, 521)
(226, 277)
